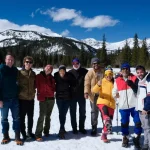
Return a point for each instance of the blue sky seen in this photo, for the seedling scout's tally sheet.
(80, 19)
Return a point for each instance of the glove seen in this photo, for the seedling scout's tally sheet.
(130, 82)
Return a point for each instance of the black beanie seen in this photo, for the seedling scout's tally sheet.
(62, 67)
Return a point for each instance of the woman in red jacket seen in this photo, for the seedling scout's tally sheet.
(45, 84)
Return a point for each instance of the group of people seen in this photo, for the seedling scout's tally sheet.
(18, 88)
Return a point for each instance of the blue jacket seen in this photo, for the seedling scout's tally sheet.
(147, 103)
(8, 82)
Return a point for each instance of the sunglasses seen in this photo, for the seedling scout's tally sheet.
(125, 69)
(75, 63)
(29, 62)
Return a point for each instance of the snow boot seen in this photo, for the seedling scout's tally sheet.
(108, 125)
(145, 147)
(83, 131)
(104, 138)
(94, 130)
(125, 142)
(136, 142)
(75, 131)
(61, 134)
(17, 139)
(6, 139)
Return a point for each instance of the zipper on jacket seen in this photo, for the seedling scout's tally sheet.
(127, 97)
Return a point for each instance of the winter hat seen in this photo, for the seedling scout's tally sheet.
(75, 60)
(109, 67)
(95, 60)
(62, 67)
(125, 65)
(108, 73)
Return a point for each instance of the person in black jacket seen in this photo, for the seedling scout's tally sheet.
(64, 82)
(78, 97)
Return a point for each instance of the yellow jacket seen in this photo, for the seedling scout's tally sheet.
(105, 93)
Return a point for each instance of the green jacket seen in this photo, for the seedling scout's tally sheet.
(26, 83)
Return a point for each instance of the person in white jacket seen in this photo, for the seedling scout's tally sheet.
(142, 93)
(125, 90)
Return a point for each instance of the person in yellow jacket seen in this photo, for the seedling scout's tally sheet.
(105, 102)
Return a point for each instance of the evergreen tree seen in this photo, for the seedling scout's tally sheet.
(143, 57)
(135, 50)
(126, 53)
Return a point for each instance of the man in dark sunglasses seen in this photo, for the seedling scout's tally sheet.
(92, 77)
(26, 82)
(125, 90)
(78, 97)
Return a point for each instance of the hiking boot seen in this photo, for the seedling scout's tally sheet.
(61, 134)
(6, 139)
(83, 131)
(136, 141)
(17, 139)
(125, 142)
(39, 139)
(94, 130)
(75, 131)
(108, 125)
(30, 136)
(145, 147)
(104, 138)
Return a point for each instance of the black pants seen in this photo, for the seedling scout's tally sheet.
(26, 108)
(63, 106)
(82, 112)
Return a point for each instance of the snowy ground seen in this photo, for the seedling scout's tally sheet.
(72, 142)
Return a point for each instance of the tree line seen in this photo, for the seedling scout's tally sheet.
(37, 49)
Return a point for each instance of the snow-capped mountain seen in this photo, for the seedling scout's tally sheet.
(112, 46)
(57, 43)
(53, 43)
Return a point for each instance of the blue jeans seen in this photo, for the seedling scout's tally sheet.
(63, 106)
(13, 105)
(82, 112)
(125, 115)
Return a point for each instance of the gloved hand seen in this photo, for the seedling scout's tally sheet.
(130, 82)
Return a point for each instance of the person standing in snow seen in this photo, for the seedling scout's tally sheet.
(64, 83)
(143, 103)
(78, 97)
(26, 83)
(92, 77)
(9, 99)
(105, 102)
(45, 84)
(125, 90)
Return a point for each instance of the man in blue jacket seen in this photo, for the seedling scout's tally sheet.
(9, 99)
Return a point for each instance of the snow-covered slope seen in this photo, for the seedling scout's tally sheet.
(112, 46)
(26, 35)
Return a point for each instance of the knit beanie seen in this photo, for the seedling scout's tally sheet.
(108, 73)
(62, 67)
(95, 60)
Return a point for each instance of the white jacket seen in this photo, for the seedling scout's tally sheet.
(143, 89)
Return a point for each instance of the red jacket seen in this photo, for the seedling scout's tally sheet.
(45, 86)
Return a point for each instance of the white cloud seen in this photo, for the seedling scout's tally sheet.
(78, 19)
(61, 14)
(6, 25)
(65, 33)
(95, 22)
